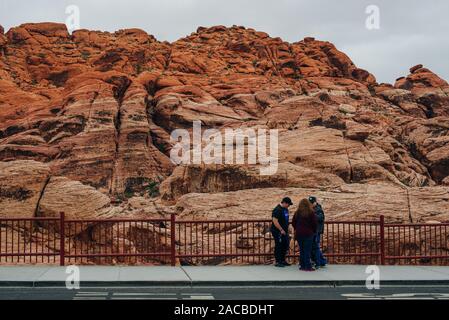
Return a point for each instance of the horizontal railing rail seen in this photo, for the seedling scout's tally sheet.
(50, 240)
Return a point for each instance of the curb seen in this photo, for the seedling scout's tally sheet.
(324, 283)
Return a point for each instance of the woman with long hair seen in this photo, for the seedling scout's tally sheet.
(305, 224)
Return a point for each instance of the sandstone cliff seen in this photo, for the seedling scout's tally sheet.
(85, 121)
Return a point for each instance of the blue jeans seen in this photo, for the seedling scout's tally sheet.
(305, 252)
(317, 255)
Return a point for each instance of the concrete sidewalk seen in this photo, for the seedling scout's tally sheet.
(333, 275)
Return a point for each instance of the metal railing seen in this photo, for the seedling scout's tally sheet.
(200, 242)
(33, 240)
(417, 243)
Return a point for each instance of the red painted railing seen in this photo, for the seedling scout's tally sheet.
(30, 239)
(421, 243)
(198, 242)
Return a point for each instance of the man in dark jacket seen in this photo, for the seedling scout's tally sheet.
(317, 255)
(279, 230)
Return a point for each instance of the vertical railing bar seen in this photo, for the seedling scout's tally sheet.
(1, 250)
(445, 241)
(404, 230)
(358, 226)
(213, 236)
(81, 242)
(54, 243)
(435, 240)
(196, 238)
(393, 244)
(42, 245)
(409, 230)
(234, 246)
(225, 238)
(250, 239)
(104, 231)
(208, 238)
(18, 241)
(382, 240)
(70, 245)
(31, 240)
(22, 246)
(143, 241)
(259, 247)
(202, 238)
(62, 240)
(191, 240)
(355, 236)
(253, 242)
(440, 252)
(173, 239)
(108, 240)
(185, 238)
(241, 235)
(76, 244)
(6, 242)
(333, 242)
(374, 242)
(47, 247)
(348, 236)
(425, 241)
(12, 241)
(417, 244)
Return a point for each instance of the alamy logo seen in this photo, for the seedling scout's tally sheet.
(373, 279)
(236, 146)
(373, 20)
(73, 20)
(72, 282)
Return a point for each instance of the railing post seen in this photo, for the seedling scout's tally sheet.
(382, 240)
(173, 239)
(62, 239)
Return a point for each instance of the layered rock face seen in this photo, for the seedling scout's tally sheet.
(86, 118)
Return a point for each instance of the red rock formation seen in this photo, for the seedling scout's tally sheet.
(97, 108)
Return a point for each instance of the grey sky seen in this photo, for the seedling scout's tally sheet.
(411, 31)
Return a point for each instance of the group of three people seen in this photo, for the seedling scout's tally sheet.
(308, 225)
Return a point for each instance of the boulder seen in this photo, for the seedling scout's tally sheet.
(346, 108)
(356, 201)
(76, 200)
(22, 184)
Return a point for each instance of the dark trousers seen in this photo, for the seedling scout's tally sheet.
(281, 246)
(305, 252)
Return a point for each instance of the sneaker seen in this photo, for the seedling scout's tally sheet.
(286, 264)
(279, 265)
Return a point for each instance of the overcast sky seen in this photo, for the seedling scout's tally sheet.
(411, 31)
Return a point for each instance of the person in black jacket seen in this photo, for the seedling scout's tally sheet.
(279, 230)
(317, 255)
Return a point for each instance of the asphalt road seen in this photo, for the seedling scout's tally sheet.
(228, 293)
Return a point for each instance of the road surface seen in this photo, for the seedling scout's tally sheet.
(229, 293)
